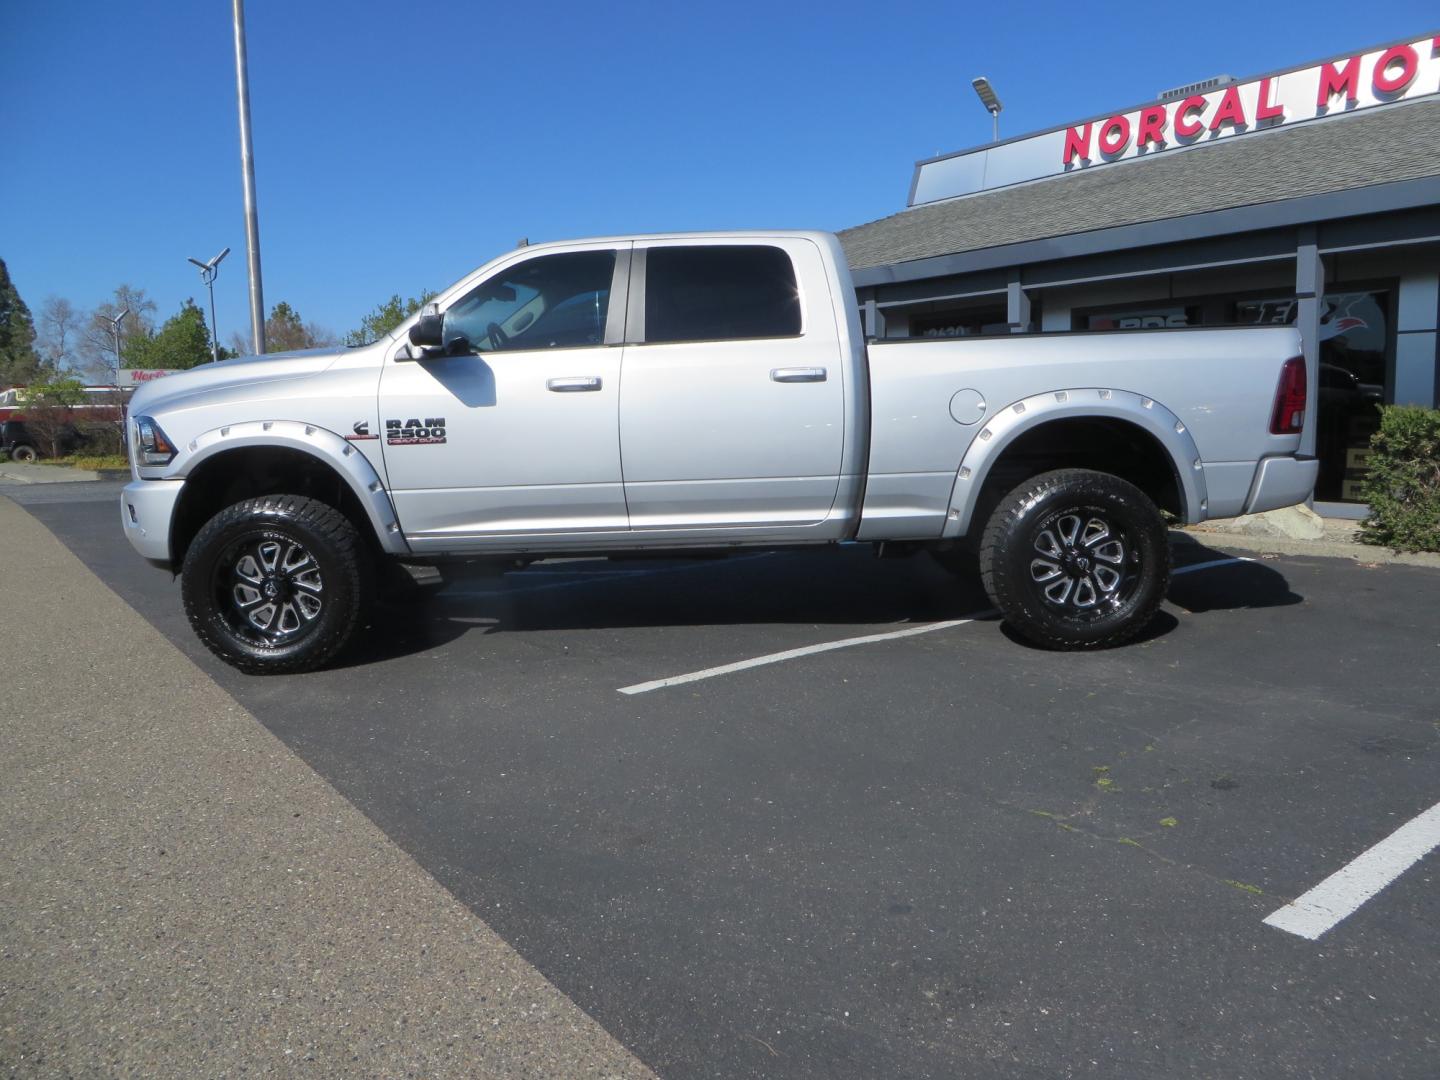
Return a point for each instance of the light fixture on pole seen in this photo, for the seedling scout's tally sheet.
(208, 272)
(989, 100)
(115, 321)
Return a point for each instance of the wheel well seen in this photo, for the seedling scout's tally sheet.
(1104, 444)
(252, 471)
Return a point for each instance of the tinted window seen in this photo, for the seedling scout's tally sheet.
(551, 302)
(711, 293)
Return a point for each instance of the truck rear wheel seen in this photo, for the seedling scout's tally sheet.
(1076, 559)
(276, 584)
(24, 453)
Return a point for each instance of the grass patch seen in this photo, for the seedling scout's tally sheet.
(99, 461)
(89, 461)
(1243, 887)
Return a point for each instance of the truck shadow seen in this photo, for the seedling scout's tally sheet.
(1230, 585)
(847, 588)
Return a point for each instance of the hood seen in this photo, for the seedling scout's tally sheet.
(243, 370)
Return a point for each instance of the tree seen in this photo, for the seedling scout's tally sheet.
(19, 363)
(286, 331)
(182, 342)
(97, 345)
(49, 414)
(61, 328)
(386, 317)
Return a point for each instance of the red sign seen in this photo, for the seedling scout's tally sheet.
(1242, 107)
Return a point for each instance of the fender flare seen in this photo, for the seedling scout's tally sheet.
(1008, 424)
(323, 445)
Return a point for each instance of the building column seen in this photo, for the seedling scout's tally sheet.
(873, 319)
(1417, 367)
(1310, 292)
(1017, 305)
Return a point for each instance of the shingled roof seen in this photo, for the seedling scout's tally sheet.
(1376, 146)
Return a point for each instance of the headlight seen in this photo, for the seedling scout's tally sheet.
(151, 445)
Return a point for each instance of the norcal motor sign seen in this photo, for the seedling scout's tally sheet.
(138, 376)
(1356, 82)
(1360, 81)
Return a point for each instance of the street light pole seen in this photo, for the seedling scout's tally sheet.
(208, 272)
(115, 322)
(247, 163)
(990, 101)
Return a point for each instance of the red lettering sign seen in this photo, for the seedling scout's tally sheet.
(1333, 81)
(1151, 127)
(1264, 110)
(1385, 83)
(1230, 111)
(1077, 144)
(1185, 127)
(1114, 135)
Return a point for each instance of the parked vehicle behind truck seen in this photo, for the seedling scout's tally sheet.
(31, 429)
(663, 394)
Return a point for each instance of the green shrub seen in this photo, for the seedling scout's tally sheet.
(1403, 486)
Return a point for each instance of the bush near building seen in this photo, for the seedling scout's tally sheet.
(1403, 486)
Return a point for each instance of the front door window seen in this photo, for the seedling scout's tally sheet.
(550, 302)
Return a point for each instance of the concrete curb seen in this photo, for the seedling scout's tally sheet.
(56, 474)
(49, 474)
(1325, 548)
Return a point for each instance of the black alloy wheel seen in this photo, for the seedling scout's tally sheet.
(276, 584)
(1076, 559)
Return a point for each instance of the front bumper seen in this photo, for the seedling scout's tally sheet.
(146, 509)
(1280, 482)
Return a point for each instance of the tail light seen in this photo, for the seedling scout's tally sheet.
(1289, 415)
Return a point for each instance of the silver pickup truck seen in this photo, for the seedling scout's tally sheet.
(663, 394)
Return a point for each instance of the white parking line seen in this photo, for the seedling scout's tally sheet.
(1207, 565)
(1340, 895)
(792, 654)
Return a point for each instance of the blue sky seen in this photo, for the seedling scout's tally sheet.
(398, 146)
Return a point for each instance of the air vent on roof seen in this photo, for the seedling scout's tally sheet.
(1197, 88)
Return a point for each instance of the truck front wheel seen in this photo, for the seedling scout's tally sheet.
(276, 584)
(1076, 559)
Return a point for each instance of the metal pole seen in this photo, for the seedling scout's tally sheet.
(995, 116)
(115, 323)
(247, 162)
(214, 330)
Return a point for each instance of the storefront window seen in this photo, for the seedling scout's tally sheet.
(1156, 318)
(964, 323)
(1354, 337)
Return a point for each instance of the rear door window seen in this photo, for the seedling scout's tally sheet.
(719, 293)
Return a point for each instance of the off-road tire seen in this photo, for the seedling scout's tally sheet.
(24, 454)
(273, 532)
(1101, 534)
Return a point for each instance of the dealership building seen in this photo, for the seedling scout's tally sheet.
(1308, 196)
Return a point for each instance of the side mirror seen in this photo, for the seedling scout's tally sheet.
(428, 331)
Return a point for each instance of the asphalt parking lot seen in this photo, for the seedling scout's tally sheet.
(935, 852)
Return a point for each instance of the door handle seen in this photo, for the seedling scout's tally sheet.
(574, 384)
(797, 374)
